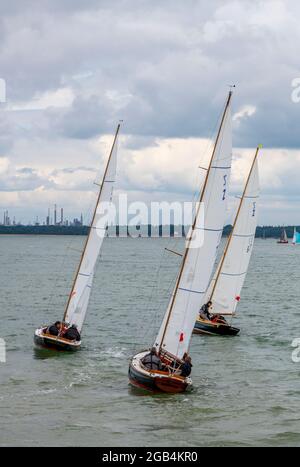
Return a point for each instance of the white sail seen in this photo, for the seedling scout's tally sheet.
(296, 237)
(79, 296)
(81, 308)
(176, 330)
(232, 269)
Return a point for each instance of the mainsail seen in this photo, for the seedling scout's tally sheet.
(226, 286)
(79, 296)
(197, 264)
(283, 236)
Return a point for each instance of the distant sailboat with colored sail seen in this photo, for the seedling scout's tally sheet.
(78, 299)
(283, 237)
(296, 237)
(225, 287)
(164, 368)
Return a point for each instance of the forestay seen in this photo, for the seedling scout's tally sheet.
(188, 296)
(79, 296)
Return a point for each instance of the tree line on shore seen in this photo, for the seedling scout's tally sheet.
(268, 231)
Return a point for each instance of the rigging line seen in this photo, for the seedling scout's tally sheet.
(114, 146)
(60, 272)
(174, 252)
(150, 302)
(219, 142)
(166, 293)
(208, 149)
(66, 256)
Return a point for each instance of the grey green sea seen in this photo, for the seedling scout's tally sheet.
(246, 388)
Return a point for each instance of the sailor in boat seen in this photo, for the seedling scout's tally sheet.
(186, 367)
(218, 319)
(53, 329)
(152, 360)
(64, 328)
(72, 333)
(204, 311)
(214, 318)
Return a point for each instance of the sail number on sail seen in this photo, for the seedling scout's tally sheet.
(225, 187)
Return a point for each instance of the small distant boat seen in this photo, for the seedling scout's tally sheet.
(78, 300)
(225, 287)
(173, 340)
(296, 237)
(283, 237)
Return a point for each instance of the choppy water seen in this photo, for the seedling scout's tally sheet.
(247, 387)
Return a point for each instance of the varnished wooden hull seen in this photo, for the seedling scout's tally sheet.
(156, 381)
(208, 327)
(47, 341)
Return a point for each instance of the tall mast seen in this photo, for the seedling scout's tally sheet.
(195, 220)
(234, 224)
(94, 215)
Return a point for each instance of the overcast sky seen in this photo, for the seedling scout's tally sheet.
(74, 68)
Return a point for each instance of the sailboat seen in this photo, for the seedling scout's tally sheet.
(77, 303)
(296, 237)
(173, 340)
(225, 287)
(283, 237)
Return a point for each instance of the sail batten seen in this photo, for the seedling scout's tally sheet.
(198, 260)
(79, 296)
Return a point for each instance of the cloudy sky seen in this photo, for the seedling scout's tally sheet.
(73, 68)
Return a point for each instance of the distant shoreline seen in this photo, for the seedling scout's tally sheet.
(144, 231)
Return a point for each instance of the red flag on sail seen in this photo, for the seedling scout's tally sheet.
(237, 298)
(181, 337)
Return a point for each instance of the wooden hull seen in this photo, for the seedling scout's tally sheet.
(155, 381)
(218, 329)
(47, 341)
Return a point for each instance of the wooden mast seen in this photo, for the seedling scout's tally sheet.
(194, 223)
(94, 215)
(234, 224)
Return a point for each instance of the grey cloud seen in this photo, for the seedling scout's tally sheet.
(85, 119)
(27, 179)
(6, 140)
(71, 170)
(161, 57)
(135, 142)
(24, 179)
